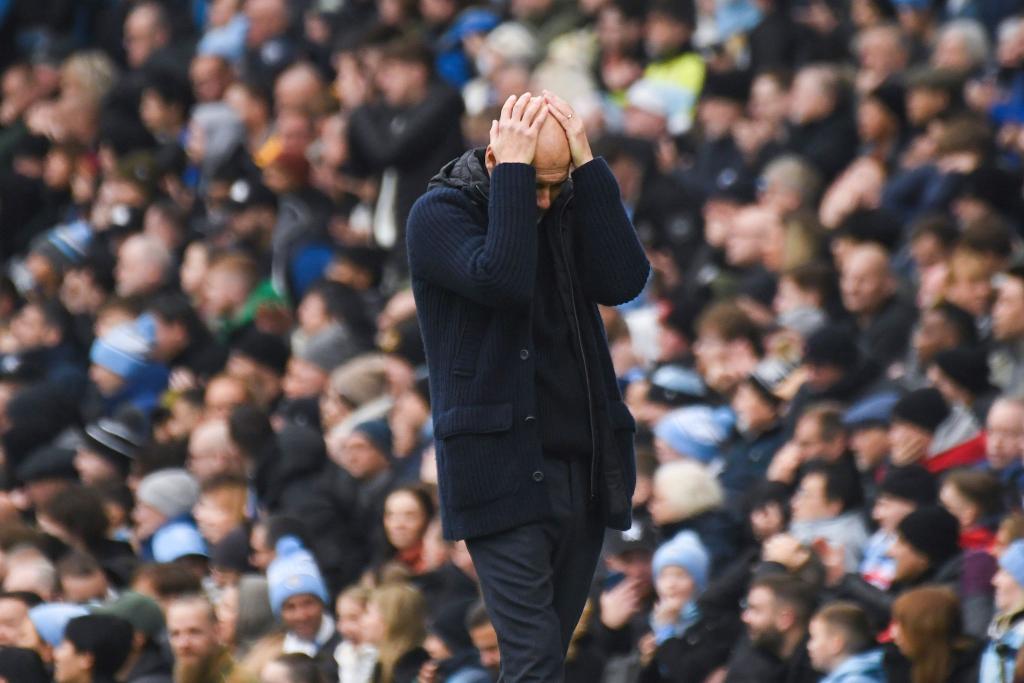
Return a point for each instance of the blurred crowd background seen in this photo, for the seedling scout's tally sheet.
(214, 414)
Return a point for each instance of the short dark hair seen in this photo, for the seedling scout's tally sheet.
(960, 320)
(989, 235)
(176, 308)
(840, 486)
(410, 50)
(816, 277)
(798, 595)
(852, 621)
(733, 323)
(77, 564)
(79, 509)
(939, 226)
(106, 637)
(477, 616)
(301, 668)
(170, 579)
(829, 418)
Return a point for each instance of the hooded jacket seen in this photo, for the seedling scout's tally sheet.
(865, 667)
(473, 252)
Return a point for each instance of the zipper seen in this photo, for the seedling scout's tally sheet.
(583, 355)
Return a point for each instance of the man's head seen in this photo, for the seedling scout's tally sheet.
(829, 355)
(551, 162)
(267, 19)
(826, 491)
(39, 324)
(866, 281)
(1008, 310)
(926, 539)
(210, 76)
(778, 609)
(915, 419)
(1004, 433)
(211, 451)
(192, 631)
(15, 627)
(484, 637)
(94, 648)
(944, 326)
(1009, 580)
(143, 263)
(297, 592)
(146, 30)
(820, 433)
(814, 95)
(82, 580)
(838, 631)
(405, 70)
(903, 490)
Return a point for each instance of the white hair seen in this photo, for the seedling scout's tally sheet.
(687, 489)
(973, 34)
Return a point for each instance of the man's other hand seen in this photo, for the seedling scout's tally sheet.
(514, 134)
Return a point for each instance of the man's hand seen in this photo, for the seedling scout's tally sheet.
(514, 134)
(621, 603)
(579, 146)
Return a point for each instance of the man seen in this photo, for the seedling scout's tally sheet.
(1006, 634)
(819, 127)
(199, 654)
(147, 662)
(1004, 446)
(147, 30)
(822, 510)
(778, 609)
(868, 288)
(94, 648)
(1007, 360)
(484, 637)
(298, 597)
(925, 429)
(840, 645)
(534, 444)
(143, 266)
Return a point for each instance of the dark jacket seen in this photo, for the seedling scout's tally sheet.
(473, 244)
(407, 668)
(829, 143)
(692, 656)
(886, 335)
(965, 665)
(151, 667)
(749, 664)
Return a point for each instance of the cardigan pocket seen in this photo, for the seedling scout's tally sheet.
(476, 454)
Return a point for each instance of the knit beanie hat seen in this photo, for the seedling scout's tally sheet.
(892, 97)
(293, 572)
(832, 346)
(911, 482)
(51, 618)
(1012, 561)
(177, 540)
(675, 385)
(328, 349)
(173, 492)
(378, 432)
(695, 431)
(124, 350)
(139, 610)
(232, 552)
(65, 246)
(924, 408)
(106, 637)
(684, 550)
(966, 366)
(933, 532)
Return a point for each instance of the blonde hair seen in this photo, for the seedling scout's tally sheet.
(688, 488)
(403, 611)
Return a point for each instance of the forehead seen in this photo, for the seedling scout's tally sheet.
(552, 175)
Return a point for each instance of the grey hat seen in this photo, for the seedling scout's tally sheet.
(172, 492)
(329, 348)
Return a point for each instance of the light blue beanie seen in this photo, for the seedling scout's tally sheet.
(176, 540)
(51, 618)
(684, 550)
(124, 350)
(695, 431)
(1012, 561)
(293, 572)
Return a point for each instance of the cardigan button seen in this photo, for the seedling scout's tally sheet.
(524, 354)
(538, 476)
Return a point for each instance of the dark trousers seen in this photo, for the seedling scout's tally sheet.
(535, 578)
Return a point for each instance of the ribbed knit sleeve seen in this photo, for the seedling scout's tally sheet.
(494, 265)
(613, 268)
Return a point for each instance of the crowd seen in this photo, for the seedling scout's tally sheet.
(215, 419)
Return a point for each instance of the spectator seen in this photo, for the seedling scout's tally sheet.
(923, 618)
(198, 651)
(822, 511)
(840, 645)
(93, 650)
(393, 623)
(147, 662)
(1003, 446)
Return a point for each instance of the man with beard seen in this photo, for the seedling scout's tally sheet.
(778, 610)
(199, 654)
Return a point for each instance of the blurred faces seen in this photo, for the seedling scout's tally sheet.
(70, 666)
(889, 511)
(933, 334)
(754, 412)
(1009, 595)
(865, 282)
(303, 379)
(675, 584)
(401, 83)
(15, 626)
(1004, 434)
(965, 511)
(302, 615)
(809, 99)
(147, 520)
(825, 645)
(210, 76)
(360, 458)
(350, 614)
(192, 632)
(1008, 311)
(143, 35)
(663, 34)
(405, 521)
(485, 640)
(909, 562)
(908, 443)
(810, 502)
(744, 246)
(762, 618)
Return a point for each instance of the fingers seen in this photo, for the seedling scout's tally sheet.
(558, 104)
(538, 121)
(506, 109)
(519, 106)
(530, 115)
(494, 131)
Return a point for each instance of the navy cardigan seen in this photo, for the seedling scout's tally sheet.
(472, 256)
